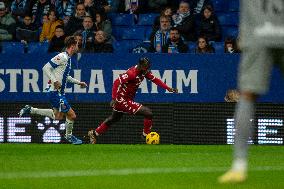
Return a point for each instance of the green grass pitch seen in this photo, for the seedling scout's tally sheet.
(104, 166)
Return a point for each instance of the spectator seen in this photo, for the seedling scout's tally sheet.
(40, 8)
(76, 22)
(103, 24)
(7, 24)
(20, 8)
(114, 5)
(209, 25)
(88, 34)
(56, 44)
(8, 4)
(174, 4)
(94, 6)
(159, 38)
(198, 5)
(230, 46)
(26, 31)
(48, 28)
(175, 44)
(133, 6)
(64, 8)
(232, 95)
(101, 44)
(167, 11)
(157, 5)
(184, 21)
(44, 19)
(78, 36)
(203, 46)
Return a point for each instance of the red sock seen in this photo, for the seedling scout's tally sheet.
(147, 125)
(102, 128)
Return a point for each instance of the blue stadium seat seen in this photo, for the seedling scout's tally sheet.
(222, 17)
(133, 33)
(148, 31)
(220, 5)
(219, 47)
(230, 31)
(233, 19)
(117, 31)
(36, 47)
(234, 5)
(12, 47)
(147, 19)
(121, 19)
(228, 19)
(191, 47)
(125, 46)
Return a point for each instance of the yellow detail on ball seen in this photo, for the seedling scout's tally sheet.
(153, 138)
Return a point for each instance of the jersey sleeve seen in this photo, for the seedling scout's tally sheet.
(150, 76)
(115, 88)
(60, 59)
(157, 81)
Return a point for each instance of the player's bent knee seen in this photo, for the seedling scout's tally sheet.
(148, 114)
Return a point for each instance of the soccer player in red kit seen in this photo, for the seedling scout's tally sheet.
(123, 92)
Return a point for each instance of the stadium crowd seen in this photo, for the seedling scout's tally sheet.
(161, 26)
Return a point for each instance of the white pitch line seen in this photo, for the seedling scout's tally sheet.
(130, 171)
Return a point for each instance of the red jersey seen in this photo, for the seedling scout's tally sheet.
(125, 87)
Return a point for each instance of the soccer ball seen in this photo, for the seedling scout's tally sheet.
(153, 138)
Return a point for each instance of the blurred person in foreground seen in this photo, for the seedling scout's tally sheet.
(57, 70)
(262, 42)
(123, 93)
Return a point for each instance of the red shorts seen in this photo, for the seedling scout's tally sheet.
(127, 106)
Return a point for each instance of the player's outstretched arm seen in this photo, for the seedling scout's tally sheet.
(75, 81)
(163, 85)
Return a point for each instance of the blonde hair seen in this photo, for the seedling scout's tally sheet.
(232, 95)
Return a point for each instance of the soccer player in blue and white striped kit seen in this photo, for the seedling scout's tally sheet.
(57, 70)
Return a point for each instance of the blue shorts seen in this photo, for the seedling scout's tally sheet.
(59, 101)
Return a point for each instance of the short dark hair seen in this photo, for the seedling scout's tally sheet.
(88, 17)
(208, 7)
(174, 29)
(59, 26)
(69, 41)
(144, 62)
(77, 33)
(27, 15)
(55, 13)
(166, 17)
(164, 10)
(79, 4)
